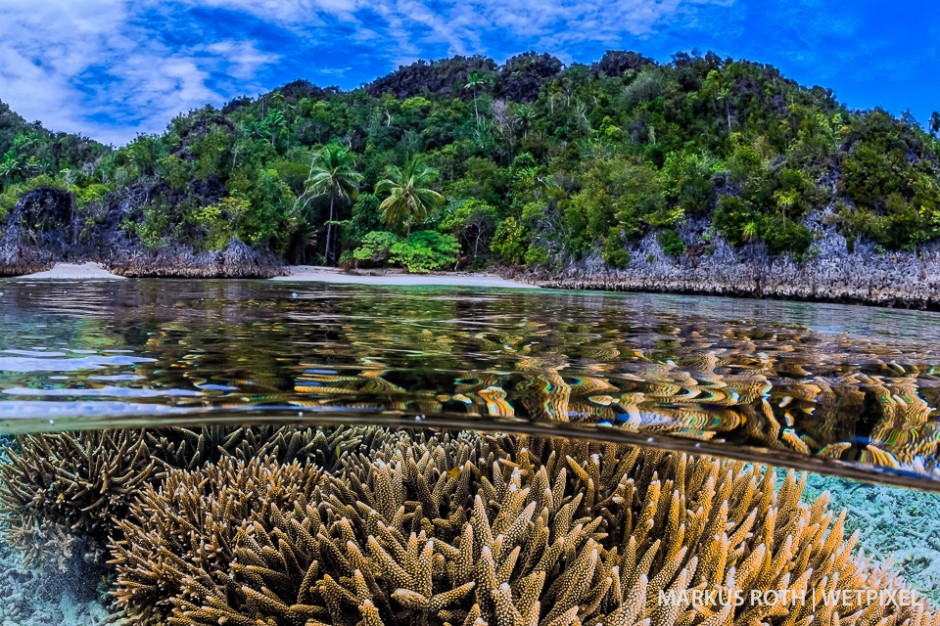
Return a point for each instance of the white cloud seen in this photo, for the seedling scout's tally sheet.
(108, 69)
(89, 67)
(37, 67)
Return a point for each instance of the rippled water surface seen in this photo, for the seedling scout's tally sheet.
(844, 389)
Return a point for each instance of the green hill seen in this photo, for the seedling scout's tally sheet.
(533, 164)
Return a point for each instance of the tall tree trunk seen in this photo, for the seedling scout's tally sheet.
(329, 231)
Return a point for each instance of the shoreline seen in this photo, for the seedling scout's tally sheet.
(396, 278)
(71, 271)
(757, 285)
(812, 294)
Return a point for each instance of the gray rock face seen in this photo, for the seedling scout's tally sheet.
(237, 260)
(831, 273)
(38, 231)
(45, 228)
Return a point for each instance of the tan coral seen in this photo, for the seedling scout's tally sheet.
(60, 492)
(519, 531)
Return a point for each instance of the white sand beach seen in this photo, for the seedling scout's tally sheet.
(313, 273)
(73, 271)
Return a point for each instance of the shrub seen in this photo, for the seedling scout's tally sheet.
(670, 242)
(614, 252)
(509, 241)
(425, 250)
(376, 248)
(782, 234)
(731, 217)
(536, 255)
(92, 193)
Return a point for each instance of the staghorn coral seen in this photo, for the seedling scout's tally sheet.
(183, 448)
(515, 531)
(60, 492)
(195, 517)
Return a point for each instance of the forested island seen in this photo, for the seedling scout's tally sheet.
(703, 175)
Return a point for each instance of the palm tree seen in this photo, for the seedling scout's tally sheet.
(934, 123)
(332, 173)
(475, 80)
(409, 194)
(749, 232)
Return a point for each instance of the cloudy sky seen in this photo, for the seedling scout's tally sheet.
(113, 68)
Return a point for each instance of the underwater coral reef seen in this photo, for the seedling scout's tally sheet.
(263, 526)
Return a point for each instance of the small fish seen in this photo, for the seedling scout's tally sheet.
(454, 472)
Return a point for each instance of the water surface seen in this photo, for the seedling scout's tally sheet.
(843, 389)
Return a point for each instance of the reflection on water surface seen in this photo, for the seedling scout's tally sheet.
(782, 380)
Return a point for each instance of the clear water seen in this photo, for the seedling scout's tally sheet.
(848, 393)
(772, 381)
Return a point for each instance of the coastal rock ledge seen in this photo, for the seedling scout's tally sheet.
(894, 279)
(44, 228)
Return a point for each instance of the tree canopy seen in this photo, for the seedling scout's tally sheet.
(525, 163)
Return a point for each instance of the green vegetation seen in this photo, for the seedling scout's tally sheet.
(465, 163)
(331, 174)
(32, 157)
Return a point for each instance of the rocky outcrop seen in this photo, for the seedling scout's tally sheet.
(44, 228)
(829, 273)
(237, 260)
(38, 232)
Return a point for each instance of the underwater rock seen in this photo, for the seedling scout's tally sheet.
(31, 598)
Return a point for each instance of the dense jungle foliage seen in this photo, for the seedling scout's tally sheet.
(463, 162)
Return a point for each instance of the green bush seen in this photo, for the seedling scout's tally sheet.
(366, 218)
(670, 242)
(212, 227)
(175, 172)
(376, 248)
(687, 181)
(92, 193)
(425, 250)
(782, 234)
(509, 242)
(473, 223)
(732, 217)
(536, 255)
(12, 193)
(614, 252)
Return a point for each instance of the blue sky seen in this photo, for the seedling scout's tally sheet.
(112, 68)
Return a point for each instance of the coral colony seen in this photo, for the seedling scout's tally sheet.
(268, 526)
